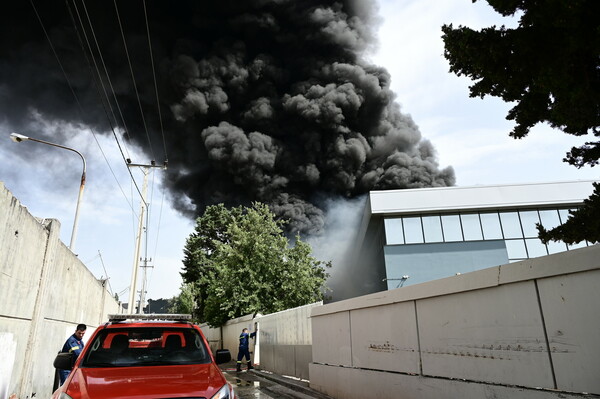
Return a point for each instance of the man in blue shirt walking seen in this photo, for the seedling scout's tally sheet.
(244, 349)
(74, 344)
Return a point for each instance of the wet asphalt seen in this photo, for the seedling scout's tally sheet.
(259, 384)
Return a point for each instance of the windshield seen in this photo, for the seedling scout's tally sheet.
(146, 346)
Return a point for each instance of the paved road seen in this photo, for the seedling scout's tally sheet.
(257, 384)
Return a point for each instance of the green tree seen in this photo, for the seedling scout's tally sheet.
(184, 303)
(244, 264)
(549, 67)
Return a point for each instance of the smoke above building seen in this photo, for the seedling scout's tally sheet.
(260, 100)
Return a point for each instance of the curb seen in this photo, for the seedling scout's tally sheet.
(296, 385)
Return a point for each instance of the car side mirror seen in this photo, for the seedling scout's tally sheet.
(64, 361)
(223, 356)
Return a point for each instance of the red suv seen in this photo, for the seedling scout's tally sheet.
(145, 356)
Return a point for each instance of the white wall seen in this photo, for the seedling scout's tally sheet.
(521, 330)
(46, 292)
(283, 344)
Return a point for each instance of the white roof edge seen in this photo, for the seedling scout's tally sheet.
(440, 199)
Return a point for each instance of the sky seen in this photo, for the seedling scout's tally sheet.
(471, 135)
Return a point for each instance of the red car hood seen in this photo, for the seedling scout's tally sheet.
(189, 381)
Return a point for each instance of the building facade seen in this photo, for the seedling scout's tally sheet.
(416, 235)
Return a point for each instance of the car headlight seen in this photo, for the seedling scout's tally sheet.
(224, 393)
(64, 396)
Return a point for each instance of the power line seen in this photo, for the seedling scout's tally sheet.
(133, 79)
(162, 132)
(105, 272)
(80, 107)
(101, 80)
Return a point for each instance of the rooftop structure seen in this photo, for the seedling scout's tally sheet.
(415, 235)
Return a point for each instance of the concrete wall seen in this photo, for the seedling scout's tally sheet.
(286, 341)
(46, 292)
(283, 344)
(522, 330)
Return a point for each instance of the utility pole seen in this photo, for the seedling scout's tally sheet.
(138, 240)
(145, 266)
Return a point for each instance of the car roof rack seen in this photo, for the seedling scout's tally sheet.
(115, 318)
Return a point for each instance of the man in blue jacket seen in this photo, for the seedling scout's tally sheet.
(74, 344)
(244, 349)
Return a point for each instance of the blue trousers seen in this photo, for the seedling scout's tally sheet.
(63, 375)
(243, 351)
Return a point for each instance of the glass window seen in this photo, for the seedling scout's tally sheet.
(471, 227)
(516, 249)
(393, 231)
(490, 223)
(535, 247)
(564, 215)
(549, 219)
(528, 221)
(510, 225)
(579, 245)
(413, 233)
(556, 247)
(451, 227)
(432, 227)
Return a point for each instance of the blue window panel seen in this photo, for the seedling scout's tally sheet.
(413, 232)
(490, 223)
(550, 219)
(451, 228)
(432, 228)
(555, 247)
(528, 222)
(581, 244)
(535, 247)
(394, 234)
(564, 215)
(511, 225)
(471, 227)
(516, 249)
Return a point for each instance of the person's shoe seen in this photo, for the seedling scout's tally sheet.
(250, 366)
(239, 367)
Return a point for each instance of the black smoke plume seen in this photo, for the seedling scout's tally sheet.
(268, 100)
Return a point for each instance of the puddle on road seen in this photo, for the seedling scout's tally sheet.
(243, 383)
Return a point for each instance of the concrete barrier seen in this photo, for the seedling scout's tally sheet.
(282, 346)
(46, 292)
(522, 330)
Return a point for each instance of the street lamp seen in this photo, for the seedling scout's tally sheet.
(17, 138)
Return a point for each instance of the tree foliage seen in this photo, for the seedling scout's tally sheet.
(549, 67)
(184, 303)
(240, 262)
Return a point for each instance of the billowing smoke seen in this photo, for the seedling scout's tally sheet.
(268, 100)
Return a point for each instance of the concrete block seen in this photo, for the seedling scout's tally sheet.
(332, 344)
(284, 361)
(573, 261)
(386, 339)
(303, 357)
(571, 307)
(494, 335)
(350, 383)
(469, 281)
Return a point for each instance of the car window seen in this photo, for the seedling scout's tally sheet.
(146, 346)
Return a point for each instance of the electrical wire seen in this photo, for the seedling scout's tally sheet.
(162, 132)
(105, 272)
(80, 107)
(137, 94)
(101, 81)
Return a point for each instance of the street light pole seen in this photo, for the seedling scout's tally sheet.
(17, 138)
